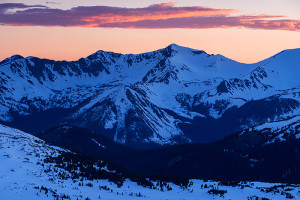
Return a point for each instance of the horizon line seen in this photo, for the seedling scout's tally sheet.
(101, 50)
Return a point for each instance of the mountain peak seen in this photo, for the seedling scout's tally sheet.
(10, 59)
(173, 45)
(287, 56)
(176, 47)
(182, 49)
(16, 57)
(292, 52)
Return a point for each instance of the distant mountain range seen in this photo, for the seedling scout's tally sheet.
(170, 96)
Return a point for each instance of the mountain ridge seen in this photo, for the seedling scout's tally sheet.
(169, 46)
(160, 97)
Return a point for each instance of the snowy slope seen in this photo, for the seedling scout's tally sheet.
(277, 131)
(143, 98)
(25, 174)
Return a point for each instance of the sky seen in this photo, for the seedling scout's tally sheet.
(247, 31)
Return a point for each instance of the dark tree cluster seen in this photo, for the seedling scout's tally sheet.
(216, 191)
(84, 166)
(49, 191)
(78, 166)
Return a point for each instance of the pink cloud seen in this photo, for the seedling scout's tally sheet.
(164, 5)
(158, 16)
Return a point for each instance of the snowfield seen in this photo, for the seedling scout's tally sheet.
(24, 175)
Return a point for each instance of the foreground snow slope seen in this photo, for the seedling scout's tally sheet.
(24, 175)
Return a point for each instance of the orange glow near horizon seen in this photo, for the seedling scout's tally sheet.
(61, 43)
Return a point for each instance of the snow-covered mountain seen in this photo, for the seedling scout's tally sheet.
(32, 169)
(172, 95)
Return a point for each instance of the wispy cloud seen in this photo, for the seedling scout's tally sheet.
(52, 2)
(254, 22)
(157, 16)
